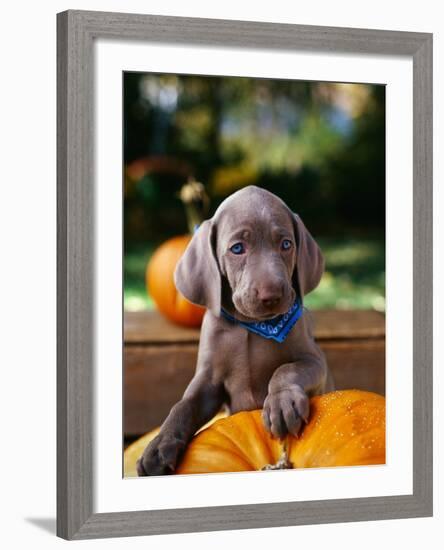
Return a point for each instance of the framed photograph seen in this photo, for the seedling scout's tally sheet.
(244, 275)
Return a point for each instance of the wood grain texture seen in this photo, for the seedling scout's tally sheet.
(74, 276)
(62, 282)
(226, 33)
(253, 516)
(423, 274)
(148, 327)
(155, 377)
(76, 34)
(160, 360)
(154, 380)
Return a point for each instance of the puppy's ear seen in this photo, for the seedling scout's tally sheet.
(309, 259)
(197, 274)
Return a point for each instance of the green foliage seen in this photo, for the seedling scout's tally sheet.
(354, 276)
(134, 265)
(320, 146)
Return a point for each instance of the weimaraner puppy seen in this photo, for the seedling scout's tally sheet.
(250, 265)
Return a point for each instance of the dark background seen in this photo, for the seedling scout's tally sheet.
(319, 146)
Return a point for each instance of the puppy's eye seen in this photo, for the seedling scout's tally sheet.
(286, 244)
(237, 248)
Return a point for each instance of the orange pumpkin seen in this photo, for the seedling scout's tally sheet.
(345, 428)
(161, 287)
(134, 451)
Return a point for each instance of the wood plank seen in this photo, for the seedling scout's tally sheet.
(357, 365)
(154, 380)
(348, 324)
(150, 327)
(156, 377)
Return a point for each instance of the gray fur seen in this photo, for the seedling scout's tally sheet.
(236, 368)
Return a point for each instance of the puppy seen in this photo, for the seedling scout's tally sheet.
(251, 266)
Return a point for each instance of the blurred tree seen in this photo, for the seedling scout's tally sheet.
(318, 145)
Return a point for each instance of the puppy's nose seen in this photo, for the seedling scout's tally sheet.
(271, 302)
(270, 297)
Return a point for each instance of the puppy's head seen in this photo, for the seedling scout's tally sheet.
(253, 257)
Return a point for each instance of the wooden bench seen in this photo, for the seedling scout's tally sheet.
(160, 358)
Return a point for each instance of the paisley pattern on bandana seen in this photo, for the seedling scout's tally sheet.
(277, 328)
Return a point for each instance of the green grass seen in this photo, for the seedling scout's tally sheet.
(134, 265)
(354, 276)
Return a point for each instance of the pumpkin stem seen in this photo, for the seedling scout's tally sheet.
(196, 203)
(283, 462)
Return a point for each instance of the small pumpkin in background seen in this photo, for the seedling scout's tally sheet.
(160, 284)
(345, 428)
(160, 269)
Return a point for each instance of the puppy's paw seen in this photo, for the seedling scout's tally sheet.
(285, 410)
(161, 456)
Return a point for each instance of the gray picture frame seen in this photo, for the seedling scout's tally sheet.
(76, 32)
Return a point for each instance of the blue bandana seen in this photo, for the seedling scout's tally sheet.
(276, 328)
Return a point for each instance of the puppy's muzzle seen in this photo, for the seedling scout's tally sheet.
(269, 296)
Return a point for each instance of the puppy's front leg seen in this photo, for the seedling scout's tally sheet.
(200, 402)
(287, 404)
